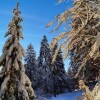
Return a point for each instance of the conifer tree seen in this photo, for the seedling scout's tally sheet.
(30, 64)
(16, 84)
(72, 70)
(58, 74)
(59, 59)
(84, 36)
(44, 56)
(44, 64)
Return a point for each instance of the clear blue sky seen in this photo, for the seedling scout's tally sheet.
(36, 13)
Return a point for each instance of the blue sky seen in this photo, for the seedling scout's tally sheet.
(35, 13)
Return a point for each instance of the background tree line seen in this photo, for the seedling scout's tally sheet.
(47, 78)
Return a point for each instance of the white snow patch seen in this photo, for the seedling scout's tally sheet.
(1, 68)
(68, 96)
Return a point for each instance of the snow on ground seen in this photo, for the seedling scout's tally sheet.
(68, 96)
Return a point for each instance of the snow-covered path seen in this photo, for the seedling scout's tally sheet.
(68, 96)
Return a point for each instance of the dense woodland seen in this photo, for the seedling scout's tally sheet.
(45, 75)
(47, 78)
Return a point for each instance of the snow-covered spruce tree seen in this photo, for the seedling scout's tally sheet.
(84, 36)
(30, 64)
(73, 83)
(58, 74)
(90, 71)
(72, 69)
(59, 59)
(74, 65)
(16, 84)
(44, 65)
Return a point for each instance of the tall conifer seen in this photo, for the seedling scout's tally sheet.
(16, 84)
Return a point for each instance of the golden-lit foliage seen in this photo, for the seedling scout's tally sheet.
(85, 23)
(90, 95)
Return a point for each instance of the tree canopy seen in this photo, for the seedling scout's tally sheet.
(85, 31)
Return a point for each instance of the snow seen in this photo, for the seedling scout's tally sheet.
(41, 98)
(1, 68)
(68, 96)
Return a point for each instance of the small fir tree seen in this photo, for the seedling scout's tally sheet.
(30, 64)
(44, 64)
(59, 76)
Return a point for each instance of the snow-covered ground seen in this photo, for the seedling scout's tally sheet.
(68, 96)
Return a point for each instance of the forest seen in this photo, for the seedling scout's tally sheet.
(25, 75)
